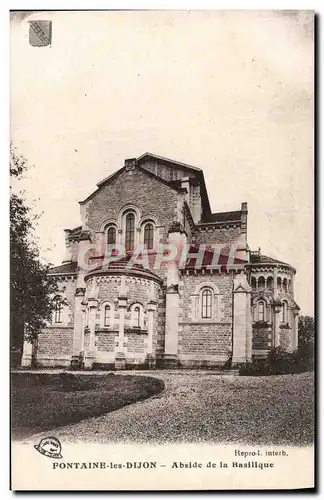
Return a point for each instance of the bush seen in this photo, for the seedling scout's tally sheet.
(278, 362)
(256, 367)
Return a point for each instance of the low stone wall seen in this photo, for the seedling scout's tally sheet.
(202, 361)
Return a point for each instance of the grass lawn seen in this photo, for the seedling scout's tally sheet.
(261, 410)
(42, 402)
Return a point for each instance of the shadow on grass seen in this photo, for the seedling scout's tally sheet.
(44, 401)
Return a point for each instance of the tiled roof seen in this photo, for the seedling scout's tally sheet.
(208, 259)
(119, 265)
(265, 259)
(224, 216)
(68, 268)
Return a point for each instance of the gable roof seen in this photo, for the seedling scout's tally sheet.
(109, 179)
(168, 160)
(198, 171)
(235, 215)
(208, 259)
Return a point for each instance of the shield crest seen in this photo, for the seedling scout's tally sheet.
(40, 33)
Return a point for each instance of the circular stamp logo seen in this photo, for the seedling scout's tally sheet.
(50, 447)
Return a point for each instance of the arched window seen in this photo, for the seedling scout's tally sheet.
(269, 282)
(137, 317)
(149, 235)
(111, 235)
(284, 284)
(206, 303)
(261, 311)
(58, 310)
(284, 312)
(253, 283)
(130, 231)
(107, 315)
(279, 282)
(261, 283)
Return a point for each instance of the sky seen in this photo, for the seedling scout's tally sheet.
(230, 92)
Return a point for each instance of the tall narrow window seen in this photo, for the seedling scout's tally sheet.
(111, 236)
(284, 284)
(58, 311)
(206, 304)
(270, 282)
(137, 317)
(261, 311)
(149, 235)
(130, 230)
(261, 283)
(107, 316)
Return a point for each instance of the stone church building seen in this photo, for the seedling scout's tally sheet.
(163, 311)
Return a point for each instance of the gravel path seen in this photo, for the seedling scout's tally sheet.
(206, 407)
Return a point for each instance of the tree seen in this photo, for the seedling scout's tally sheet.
(306, 338)
(32, 290)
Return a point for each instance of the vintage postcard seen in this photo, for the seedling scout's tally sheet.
(161, 248)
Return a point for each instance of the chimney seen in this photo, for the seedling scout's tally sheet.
(244, 213)
(130, 163)
(244, 207)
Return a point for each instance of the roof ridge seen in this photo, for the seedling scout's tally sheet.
(169, 160)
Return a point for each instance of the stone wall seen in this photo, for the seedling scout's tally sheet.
(55, 347)
(141, 291)
(152, 197)
(200, 341)
(213, 235)
(261, 339)
(205, 341)
(285, 338)
(105, 340)
(189, 284)
(67, 287)
(135, 343)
